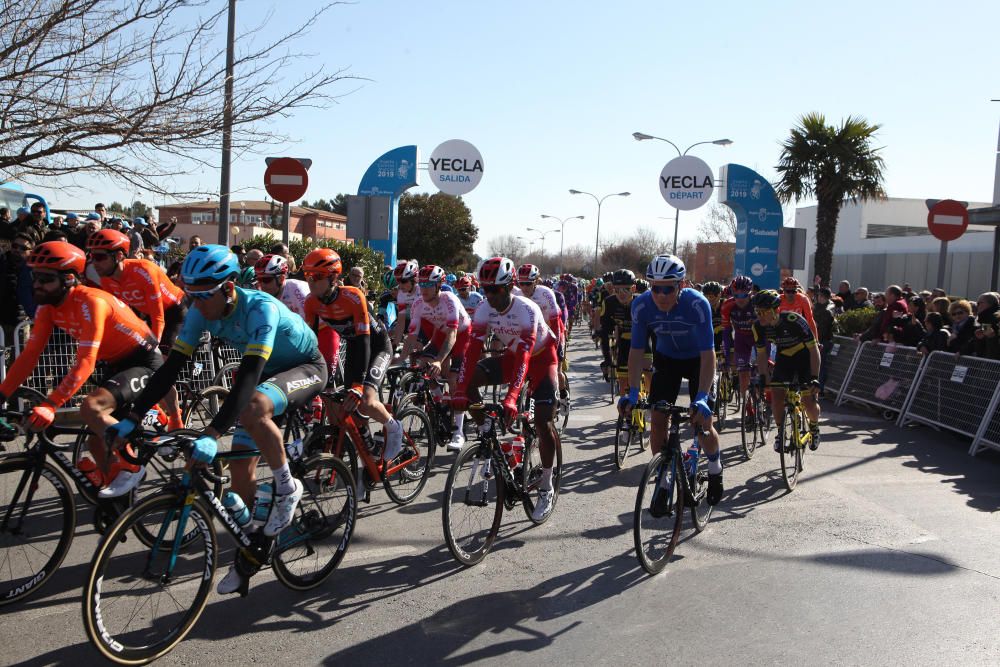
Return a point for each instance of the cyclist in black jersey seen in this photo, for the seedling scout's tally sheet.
(713, 292)
(616, 317)
(797, 359)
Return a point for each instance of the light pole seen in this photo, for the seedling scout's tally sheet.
(542, 233)
(641, 136)
(531, 244)
(562, 234)
(597, 241)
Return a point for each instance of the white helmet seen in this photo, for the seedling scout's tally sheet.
(665, 267)
(406, 270)
(496, 271)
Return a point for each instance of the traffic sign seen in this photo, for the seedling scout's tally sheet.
(948, 219)
(286, 179)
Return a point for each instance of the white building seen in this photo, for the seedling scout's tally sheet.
(887, 242)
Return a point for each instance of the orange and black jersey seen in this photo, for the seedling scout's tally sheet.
(790, 335)
(348, 314)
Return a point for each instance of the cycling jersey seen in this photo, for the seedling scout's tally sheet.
(800, 304)
(435, 320)
(367, 338)
(790, 335)
(105, 330)
(563, 310)
(144, 286)
(404, 300)
(258, 325)
(572, 295)
(736, 319)
(717, 328)
(683, 332)
(387, 309)
(613, 314)
(294, 295)
(545, 299)
(471, 302)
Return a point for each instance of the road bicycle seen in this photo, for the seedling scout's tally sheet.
(140, 600)
(795, 435)
(755, 419)
(630, 432)
(683, 478)
(484, 480)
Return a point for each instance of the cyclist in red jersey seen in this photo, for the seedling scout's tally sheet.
(106, 330)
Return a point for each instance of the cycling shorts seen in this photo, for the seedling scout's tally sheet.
(457, 354)
(744, 348)
(668, 374)
(380, 360)
(126, 379)
(295, 387)
(794, 369)
(543, 378)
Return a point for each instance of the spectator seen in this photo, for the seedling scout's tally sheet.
(92, 225)
(73, 230)
(963, 328)
(823, 316)
(240, 252)
(905, 329)
(838, 305)
(194, 242)
(253, 256)
(917, 307)
(938, 292)
(166, 229)
(942, 305)
(15, 276)
(114, 223)
(860, 299)
(846, 296)
(988, 325)
(4, 215)
(100, 210)
(28, 224)
(875, 328)
(7, 230)
(907, 291)
(356, 278)
(895, 307)
(935, 335)
(55, 235)
(134, 235)
(280, 249)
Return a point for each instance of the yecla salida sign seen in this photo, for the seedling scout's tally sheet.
(686, 183)
(456, 167)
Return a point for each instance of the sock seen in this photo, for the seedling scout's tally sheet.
(714, 463)
(546, 483)
(175, 420)
(459, 421)
(283, 480)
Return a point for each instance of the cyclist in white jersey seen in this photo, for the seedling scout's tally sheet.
(272, 278)
(405, 274)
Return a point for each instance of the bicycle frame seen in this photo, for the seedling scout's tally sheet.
(361, 436)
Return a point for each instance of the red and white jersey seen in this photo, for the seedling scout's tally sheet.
(545, 299)
(405, 300)
(522, 324)
(447, 313)
(294, 295)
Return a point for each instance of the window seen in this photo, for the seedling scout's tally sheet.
(202, 218)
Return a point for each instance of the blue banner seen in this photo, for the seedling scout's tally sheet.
(758, 223)
(390, 176)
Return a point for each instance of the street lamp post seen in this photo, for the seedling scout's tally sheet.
(562, 234)
(597, 241)
(641, 136)
(542, 233)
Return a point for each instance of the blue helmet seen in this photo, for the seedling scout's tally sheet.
(209, 265)
(450, 278)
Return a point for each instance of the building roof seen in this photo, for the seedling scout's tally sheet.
(252, 205)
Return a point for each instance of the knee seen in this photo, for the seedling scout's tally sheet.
(94, 406)
(257, 409)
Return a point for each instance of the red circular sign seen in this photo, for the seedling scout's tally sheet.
(948, 219)
(286, 179)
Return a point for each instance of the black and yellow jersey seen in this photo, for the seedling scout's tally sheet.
(790, 335)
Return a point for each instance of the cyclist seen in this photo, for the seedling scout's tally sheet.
(529, 354)
(713, 292)
(685, 348)
(571, 292)
(794, 301)
(797, 359)
(440, 318)
(616, 316)
(528, 277)
(272, 278)
(387, 301)
(344, 309)
(470, 298)
(737, 325)
(247, 278)
(106, 330)
(406, 274)
(281, 369)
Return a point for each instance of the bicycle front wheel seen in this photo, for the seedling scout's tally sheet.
(139, 602)
(473, 504)
(37, 520)
(791, 461)
(531, 476)
(623, 440)
(405, 475)
(311, 548)
(750, 432)
(659, 513)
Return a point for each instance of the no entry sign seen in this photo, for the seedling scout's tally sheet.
(948, 219)
(286, 179)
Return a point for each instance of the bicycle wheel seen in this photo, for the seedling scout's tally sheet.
(530, 476)
(405, 475)
(722, 401)
(37, 521)
(623, 440)
(790, 454)
(697, 488)
(139, 603)
(750, 434)
(563, 407)
(473, 504)
(310, 549)
(326, 439)
(656, 536)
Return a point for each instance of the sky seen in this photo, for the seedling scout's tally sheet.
(551, 91)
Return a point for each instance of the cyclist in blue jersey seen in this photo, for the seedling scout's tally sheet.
(681, 319)
(281, 369)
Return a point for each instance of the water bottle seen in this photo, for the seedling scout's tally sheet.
(317, 410)
(236, 507)
(514, 451)
(261, 505)
(691, 458)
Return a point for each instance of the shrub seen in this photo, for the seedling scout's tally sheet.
(352, 254)
(854, 321)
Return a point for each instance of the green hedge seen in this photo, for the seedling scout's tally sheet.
(352, 255)
(854, 321)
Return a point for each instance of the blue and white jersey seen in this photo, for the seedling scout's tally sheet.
(683, 332)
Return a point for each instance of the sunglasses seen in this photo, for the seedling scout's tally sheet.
(492, 289)
(44, 278)
(204, 294)
(314, 277)
(99, 256)
(742, 295)
(266, 280)
(429, 284)
(18, 246)
(663, 289)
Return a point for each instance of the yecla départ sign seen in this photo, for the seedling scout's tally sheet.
(686, 183)
(456, 167)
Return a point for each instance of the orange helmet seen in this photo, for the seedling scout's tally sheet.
(57, 256)
(109, 240)
(465, 282)
(789, 282)
(323, 261)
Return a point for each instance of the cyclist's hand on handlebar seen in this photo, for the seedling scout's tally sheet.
(116, 434)
(41, 417)
(433, 368)
(509, 409)
(204, 449)
(352, 400)
(702, 411)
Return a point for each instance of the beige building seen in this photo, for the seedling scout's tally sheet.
(251, 217)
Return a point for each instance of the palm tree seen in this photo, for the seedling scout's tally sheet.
(833, 164)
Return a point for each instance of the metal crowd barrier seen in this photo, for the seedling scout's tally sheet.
(7, 353)
(882, 376)
(959, 394)
(54, 363)
(839, 361)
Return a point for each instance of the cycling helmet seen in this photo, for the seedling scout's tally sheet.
(607, 276)
(389, 280)
(641, 285)
(451, 278)
(271, 265)
(496, 271)
(57, 256)
(548, 283)
(741, 285)
(665, 267)
(597, 283)
(247, 277)
(209, 264)
(711, 288)
(406, 270)
(623, 277)
(431, 274)
(527, 273)
(323, 261)
(789, 282)
(767, 299)
(465, 282)
(108, 240)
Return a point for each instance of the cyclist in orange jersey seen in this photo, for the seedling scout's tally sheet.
(794, 301)
(106, 330)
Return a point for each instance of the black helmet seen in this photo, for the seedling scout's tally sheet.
(712, 288)
(767, 299)
(623, 277)
(641, 285)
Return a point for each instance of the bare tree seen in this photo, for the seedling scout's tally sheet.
(508, 245)
(719, 224)
(132, 90)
